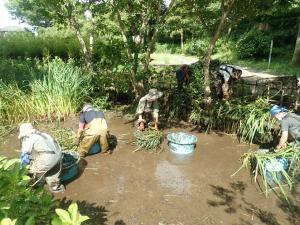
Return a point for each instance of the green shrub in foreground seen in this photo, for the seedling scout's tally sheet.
(18, 200)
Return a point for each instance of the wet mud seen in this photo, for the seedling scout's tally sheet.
(141, 188)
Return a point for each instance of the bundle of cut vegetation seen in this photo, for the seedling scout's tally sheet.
(65, 137)
(264, 164)
(249, 119)
(149, 140)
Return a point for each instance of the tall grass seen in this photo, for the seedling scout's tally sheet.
(15, 104)
(58, 94)
(61, 91)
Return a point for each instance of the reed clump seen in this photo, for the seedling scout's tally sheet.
(59, 93)
(249, 119)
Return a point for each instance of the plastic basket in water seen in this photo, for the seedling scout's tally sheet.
(274, 167)
(96, 148)
(69, 165)
(182, 143)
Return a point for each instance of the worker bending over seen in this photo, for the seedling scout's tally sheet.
(43, 155)
(148, 109)
(92, 129)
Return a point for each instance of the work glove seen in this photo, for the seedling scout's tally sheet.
(25, 159)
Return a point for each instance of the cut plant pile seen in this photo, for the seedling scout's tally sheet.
(258, 163)
(149, 140)
(65, 137)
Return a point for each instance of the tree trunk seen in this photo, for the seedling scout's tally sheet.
(181, 39)
(149, 51)
(207, 58)
(74, 23)
(296, 56)
(91, 41)
(82, 43)
(138, 87)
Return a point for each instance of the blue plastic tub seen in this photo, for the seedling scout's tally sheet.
(96, 148)
(276, 166)
(69, 165)
(182, 143)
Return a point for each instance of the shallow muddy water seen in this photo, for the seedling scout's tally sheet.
(142, 188)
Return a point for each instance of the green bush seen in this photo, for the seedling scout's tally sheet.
(26, 45)
(254, 43)
(19, 71)
(18, 200)
(196, 47)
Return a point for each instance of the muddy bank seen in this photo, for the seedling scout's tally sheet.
(141, 188)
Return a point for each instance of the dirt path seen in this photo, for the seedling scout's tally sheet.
(129, 188)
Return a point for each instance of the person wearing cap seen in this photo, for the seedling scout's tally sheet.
(148, 109)
(289, 124)
(92, 129)
(43, 155)
(183, 75)
(228, 73)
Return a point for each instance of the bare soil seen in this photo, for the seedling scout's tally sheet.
(150, 189)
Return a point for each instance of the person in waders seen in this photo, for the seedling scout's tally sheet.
(92, 129)
(148, 109)
(228, 73)
(43, 155)
(289, 124)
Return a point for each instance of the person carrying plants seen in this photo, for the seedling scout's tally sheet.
(183, 75)
(147, 109)
(228, 73)
(289, 124)
(92, 129)
(43, 155)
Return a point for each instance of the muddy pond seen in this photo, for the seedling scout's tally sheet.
(135, 188)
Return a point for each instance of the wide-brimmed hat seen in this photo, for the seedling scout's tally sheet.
(154, 94)
(25, 129)
(86, 107)
(277, 109)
